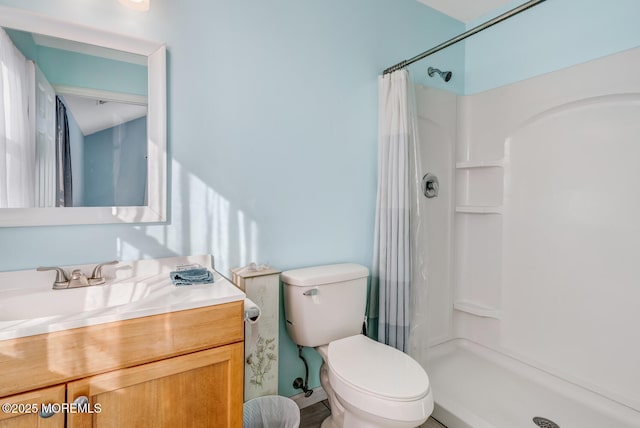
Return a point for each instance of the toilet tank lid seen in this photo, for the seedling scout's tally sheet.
(327, 274)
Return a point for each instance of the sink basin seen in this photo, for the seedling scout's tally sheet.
(21, 305)
(28, 305)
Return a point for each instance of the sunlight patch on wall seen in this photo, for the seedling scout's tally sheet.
(204, 222)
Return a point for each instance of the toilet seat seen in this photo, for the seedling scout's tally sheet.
(378, 379)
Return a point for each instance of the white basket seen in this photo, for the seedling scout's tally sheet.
(271, 411)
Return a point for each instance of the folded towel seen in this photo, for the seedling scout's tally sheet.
(191, 276)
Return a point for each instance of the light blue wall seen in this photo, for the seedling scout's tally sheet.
(272, 123)
(552, 35)
(115, 165)
(62, 67)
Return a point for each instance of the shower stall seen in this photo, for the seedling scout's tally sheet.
(532, 249)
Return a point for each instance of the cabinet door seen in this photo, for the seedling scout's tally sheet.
(203, 389)
(22, 410)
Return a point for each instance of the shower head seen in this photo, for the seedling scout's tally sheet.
(446, 75)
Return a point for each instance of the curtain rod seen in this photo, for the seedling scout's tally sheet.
(464, 35)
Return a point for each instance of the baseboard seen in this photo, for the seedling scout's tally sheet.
(317, 396)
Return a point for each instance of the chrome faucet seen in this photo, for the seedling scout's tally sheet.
(78, 278)
(96, 276)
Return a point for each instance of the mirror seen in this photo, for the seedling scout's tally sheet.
(90, 101)
(91, 147)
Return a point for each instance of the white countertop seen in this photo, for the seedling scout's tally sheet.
(28, 305)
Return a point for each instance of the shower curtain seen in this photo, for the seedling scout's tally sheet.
(390, 292)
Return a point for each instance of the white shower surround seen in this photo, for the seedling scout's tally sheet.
(537, 255)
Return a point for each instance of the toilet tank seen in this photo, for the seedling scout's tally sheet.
(324, 303)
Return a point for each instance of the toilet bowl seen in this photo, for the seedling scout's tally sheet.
(369, 384)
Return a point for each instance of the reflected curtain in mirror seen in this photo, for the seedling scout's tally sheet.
(64, 190)
(17, 141)
(45, 102)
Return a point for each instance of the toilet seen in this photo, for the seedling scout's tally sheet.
(369, 384)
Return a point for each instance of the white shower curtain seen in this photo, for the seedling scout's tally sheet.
(391, 279)
(17, 134)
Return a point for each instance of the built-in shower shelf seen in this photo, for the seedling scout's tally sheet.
(476, 309)
(479, 209)
(480, 164)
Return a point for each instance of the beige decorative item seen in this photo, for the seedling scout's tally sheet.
(261, 284)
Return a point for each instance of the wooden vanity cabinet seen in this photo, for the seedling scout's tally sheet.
(171, 370)
(199, 390)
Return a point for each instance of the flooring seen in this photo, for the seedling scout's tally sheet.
(312, 416)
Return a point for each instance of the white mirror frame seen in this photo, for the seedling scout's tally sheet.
(156, 209)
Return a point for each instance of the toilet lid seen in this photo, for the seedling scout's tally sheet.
(377, 369)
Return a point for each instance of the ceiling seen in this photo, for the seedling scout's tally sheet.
(93, 115)
(465, 10)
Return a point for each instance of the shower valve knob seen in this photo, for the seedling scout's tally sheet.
(430, 185)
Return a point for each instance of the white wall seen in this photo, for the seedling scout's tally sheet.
(436, 110)
(546, 229)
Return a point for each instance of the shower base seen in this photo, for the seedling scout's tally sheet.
(475, 387)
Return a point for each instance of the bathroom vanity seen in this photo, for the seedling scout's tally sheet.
(180, 366)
